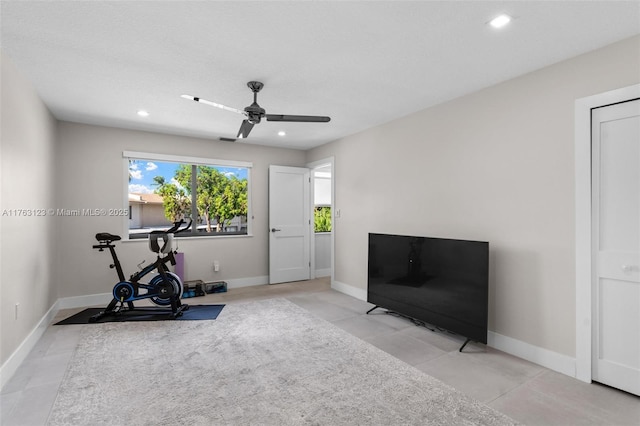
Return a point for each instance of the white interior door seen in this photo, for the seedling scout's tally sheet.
(289, 224)
(616, 212)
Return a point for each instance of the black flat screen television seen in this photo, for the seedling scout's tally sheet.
(442, 282)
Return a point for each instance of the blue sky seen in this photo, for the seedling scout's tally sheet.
(143, 171)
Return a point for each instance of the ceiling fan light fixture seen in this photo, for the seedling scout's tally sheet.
(500, 21)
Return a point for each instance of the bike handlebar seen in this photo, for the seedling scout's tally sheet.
(185, 228)
(175, 229)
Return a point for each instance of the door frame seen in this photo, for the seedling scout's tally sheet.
(313, 165)
(584, 222)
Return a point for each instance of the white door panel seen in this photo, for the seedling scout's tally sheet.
(616, 212)
(619, 179)
(619, 265)
(620, 321)
(289, 224)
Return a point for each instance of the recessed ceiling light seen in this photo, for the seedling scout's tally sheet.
(500, 21)
(282, 133)
(143, 113)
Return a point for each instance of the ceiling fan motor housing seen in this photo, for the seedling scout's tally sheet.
(255, 113)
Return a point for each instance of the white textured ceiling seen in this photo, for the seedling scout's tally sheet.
(362, 63)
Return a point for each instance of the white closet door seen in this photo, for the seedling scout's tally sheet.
(616, 210)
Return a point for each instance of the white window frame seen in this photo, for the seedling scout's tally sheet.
(200, 161)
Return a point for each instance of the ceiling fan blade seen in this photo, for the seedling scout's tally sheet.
(213, 104)
(298, 118)
(245, 128)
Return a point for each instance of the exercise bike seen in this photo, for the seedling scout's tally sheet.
(163, 289)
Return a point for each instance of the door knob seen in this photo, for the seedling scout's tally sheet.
(628, 268)
(275, 230)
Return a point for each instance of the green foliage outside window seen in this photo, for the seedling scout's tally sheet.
(176, 201)
(322, 219)
(219, 197)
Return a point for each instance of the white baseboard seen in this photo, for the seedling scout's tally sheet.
(323, 272)
(552, 360)
(100, 300)
(549, 359)
(246, 282)
(103, 299)
(350, 290)
(11, 365)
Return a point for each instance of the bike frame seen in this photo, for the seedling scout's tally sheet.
(127, 291)
(159, 264)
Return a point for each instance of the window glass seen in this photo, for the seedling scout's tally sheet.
(322, 219)
(214, 197)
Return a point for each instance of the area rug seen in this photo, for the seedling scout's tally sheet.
(194, 313)
(268, 362)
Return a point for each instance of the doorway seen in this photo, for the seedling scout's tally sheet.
(323, 218)
(608, 238)
(296, 251)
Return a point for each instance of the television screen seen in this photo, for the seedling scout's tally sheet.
(442, 282)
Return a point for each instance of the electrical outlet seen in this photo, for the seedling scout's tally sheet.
(216, 266)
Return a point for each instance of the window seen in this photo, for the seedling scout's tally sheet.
(322, 198)
(163, 189)
(322, 219)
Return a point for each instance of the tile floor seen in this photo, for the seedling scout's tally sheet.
(527, 392)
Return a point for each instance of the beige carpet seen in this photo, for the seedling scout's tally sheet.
(261, 363)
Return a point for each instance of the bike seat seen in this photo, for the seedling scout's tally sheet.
(105, 236)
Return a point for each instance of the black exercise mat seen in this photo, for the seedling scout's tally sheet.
(194, 313)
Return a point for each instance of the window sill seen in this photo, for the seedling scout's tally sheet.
(200, 237)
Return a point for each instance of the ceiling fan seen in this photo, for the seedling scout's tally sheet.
(254, 112)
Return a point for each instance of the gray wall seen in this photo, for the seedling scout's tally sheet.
(496, 165)
(26, 241)
(92, 175)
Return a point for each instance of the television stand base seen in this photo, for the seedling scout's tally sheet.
(372, 309)
(415, 322)
(464, 344)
